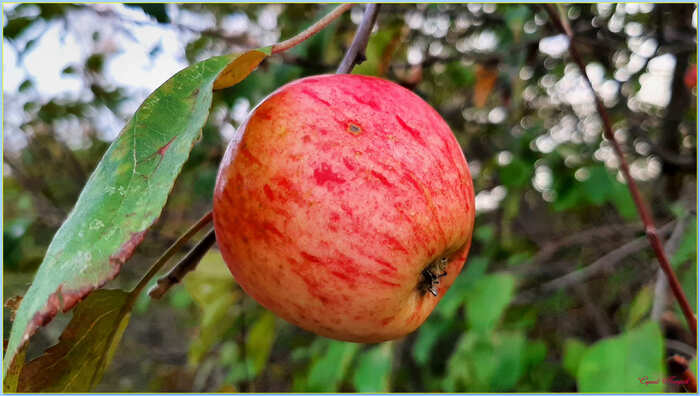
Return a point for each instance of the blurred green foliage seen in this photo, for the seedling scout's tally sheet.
(550, 198)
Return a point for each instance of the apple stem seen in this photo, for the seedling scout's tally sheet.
(183, 267)
(311, 30)
(163, 259)
(356, 52)
(644, 213)
(430, 278)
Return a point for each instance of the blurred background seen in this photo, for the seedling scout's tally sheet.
(559, 260)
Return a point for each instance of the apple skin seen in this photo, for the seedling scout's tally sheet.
(334, 196)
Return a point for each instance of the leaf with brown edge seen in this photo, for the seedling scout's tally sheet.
(241, 67)
(11, 379)
(12, 304)
(86, 347)
(125, 194)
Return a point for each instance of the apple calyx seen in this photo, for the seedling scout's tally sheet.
(430, 276)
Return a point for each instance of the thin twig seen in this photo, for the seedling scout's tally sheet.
(584, 237)
(651, 231)
(184, 266)
(311, 30)
(356, 53)
(680, 346)
(600, 320)
(203, 221)
(603, 264)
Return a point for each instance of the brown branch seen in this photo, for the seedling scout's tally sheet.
(356, 53)
(595, 312)
(584, 237)
(182, 268)
(311, 30)
(602, 264)
(203, 221)
(680, 346)
(652, 233)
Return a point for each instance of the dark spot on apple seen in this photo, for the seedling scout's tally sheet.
(354, 129)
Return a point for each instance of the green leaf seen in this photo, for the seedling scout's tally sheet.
(573, 351)
(517, 173)
(487, 300)
(455, 297)
(484, 233)
(688, 247)
(569, 198)
(460, 75)
(617, 364)
(11, 380)
(26, 84)
(515, 17)
(380, 49)
(16, 26)
(598, 186)
(486, 363)
(428, 335)
(535, 353)
(260, 340)
(374, 369)
(622, 199)
(85, 348)
(327, 373)
(214, 290)
(640, 306)
(125, 194)
(506, 366)
(693, 366)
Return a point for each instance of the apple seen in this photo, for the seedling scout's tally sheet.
(344, 204)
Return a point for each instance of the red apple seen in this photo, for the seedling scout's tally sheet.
(343, 204)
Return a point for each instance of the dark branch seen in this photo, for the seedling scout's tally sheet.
(184, 266)
(644, 213)
(356, 53)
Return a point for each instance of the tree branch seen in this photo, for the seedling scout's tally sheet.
(652, 233)
(203, 221)
(584, 237)
(356, 53)
(311, 30)
(182, 268)
(603, 264)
